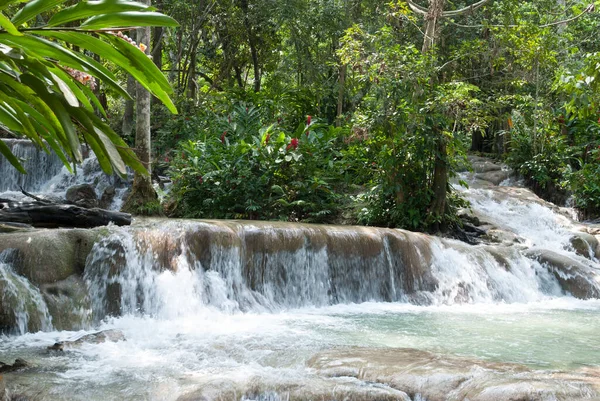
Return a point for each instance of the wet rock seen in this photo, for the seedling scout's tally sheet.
(107, 197)
(19, 364)
(495, 177)
(428, 376)
(485, 165)
(68, 303)
(574, 276)
(14, 227)
(300, 389)
(83, 195)
(585, 245)
(49, 256)
(93, 338)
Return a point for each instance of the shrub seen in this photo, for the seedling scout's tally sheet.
(244, 169)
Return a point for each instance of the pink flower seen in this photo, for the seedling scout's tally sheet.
(293, 144)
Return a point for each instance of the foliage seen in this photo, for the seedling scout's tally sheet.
(46, 86)
(246, 169)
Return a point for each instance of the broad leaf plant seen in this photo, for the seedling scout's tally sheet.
(48, 72)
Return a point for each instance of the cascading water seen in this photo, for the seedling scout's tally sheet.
(46, 174)
(41, 167)
(21, 299)
(228, 310)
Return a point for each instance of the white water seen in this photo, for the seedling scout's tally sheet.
(48, 176)
(21, 299)
(193, 323)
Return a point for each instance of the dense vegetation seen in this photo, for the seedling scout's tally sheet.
(360, 111)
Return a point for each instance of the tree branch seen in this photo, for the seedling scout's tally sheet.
(416, 8)
(467, 9)
(588, 9)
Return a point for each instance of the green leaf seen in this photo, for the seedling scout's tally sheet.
(8, 26)
(9, 119)
(5, 150)
(86, 9)
(66, 91)
(43, 47)
(124, 55)
(70, 139)
(34, 8)
(129, 19)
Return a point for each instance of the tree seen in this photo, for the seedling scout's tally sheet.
(47, 74)
(142, 193)
(433, 16)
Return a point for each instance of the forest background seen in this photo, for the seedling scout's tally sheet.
(361, 111)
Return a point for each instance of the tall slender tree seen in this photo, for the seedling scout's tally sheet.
(142, 193)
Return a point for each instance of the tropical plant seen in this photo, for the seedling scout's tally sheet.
(243, 168)
(50, 65)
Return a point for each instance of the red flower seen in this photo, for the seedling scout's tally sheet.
(293, 144)
(167, 159)
(267, 138)
(308, 120)
(223, 137)
(200, 179)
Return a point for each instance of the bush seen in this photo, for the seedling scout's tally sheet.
(243, 169)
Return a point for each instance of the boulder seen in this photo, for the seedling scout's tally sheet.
(107, 197)
(68, 303)
(19, 364)
(495, 176)
(433, 377)
(83, 195)
(93, 338)
(574, 276)
(585, 245)
(401, 375)
(49, 256)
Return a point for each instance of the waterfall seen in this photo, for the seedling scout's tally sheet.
(46, 174)
(40, 167)
(20, 300)
(179, 268)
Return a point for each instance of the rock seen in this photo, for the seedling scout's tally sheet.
(574, 276)
(93, 338)
(19, 364)
(14, 227)
(299, 389)
(368, 374)
(68, 303)
(107, 197)
(485, 166)
(3, 392)
(83, 195)
(495, 177)
(49, 256)
(585, 245)
(433, 377)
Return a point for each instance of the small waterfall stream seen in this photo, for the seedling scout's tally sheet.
(47, 176)
(234, 310)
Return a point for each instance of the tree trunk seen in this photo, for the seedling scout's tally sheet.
(440, 178)
(252, 44)
(439, 184)
(128, 114)
(340, 102)
(432, 23)
(142, 194)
